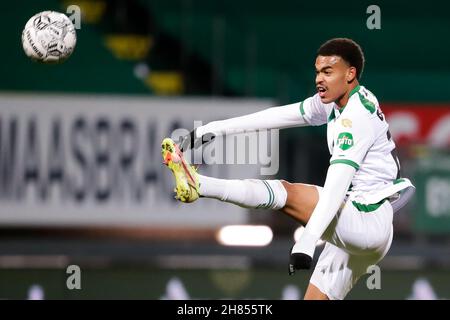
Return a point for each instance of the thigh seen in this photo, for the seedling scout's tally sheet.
(337, 271)
(301, 200)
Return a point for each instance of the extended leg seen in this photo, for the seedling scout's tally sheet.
(247, 193)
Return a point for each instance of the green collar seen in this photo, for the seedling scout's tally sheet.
(354, 90)
(333, 113)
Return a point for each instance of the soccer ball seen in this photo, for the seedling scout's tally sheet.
(49, 37)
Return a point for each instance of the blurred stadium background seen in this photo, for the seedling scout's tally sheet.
(81, 180)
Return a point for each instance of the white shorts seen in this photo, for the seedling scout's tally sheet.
(355, 241)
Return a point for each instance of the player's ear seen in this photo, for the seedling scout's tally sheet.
(351, 74)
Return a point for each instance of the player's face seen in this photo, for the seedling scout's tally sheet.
(332, 74)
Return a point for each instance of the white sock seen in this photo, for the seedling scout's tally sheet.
(248, 193)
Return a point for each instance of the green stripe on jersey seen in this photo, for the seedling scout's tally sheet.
(345, 161)
(368, 207)
(354, 90)
(302, 111)
(367, 104)
(332, 115)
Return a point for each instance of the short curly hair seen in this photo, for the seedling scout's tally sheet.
(347, 49)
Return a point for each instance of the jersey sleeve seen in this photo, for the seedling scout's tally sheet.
(314, 111)
(353, 137)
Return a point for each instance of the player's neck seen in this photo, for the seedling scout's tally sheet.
(343, 100)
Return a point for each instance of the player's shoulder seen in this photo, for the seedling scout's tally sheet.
(319, 105)
(315, 111)
(362, 103)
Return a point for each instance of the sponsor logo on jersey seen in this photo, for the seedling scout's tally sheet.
(345, 140)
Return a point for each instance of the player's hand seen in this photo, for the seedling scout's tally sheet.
(190, 141)
(298, 261)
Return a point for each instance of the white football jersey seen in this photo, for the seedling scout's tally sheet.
(358, 135)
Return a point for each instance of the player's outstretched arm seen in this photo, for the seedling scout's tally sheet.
(338, 180)
(272, 118)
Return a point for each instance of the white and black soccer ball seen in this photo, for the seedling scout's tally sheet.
(49, 37)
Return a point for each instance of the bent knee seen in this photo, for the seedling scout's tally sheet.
(301, 200)
(291, 188)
